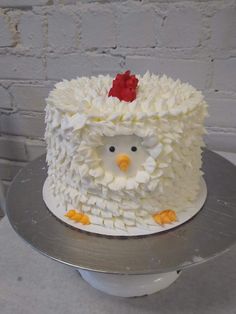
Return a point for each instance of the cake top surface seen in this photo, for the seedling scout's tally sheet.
(155, 96)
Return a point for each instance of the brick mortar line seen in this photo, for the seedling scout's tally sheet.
(27, 137)
(6, 181)
(14, 162)
(213, 129)
(19, 138)
(231, 53)
(24, 113)
(195, 53)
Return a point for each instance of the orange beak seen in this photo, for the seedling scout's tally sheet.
(123, 161)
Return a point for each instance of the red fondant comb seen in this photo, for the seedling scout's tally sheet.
(124, 87)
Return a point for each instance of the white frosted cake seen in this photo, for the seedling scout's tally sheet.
(124, 151)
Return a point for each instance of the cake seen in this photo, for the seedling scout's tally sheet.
(124, 151)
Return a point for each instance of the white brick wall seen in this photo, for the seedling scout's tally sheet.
(29, 97)
(102, 63)
(223, 25)
(193, 71)
(27, 125)
(5, 100)
(94, 22)
(136, 27)
(33, 36)
(222, 112)
(9, 169)
(6, 31)
(62, 30)
(43, 41)
(225, 74)
(34, 148)
(21, 67)
(181, 28)
(22, 3)
(67, 66)
(12, 148)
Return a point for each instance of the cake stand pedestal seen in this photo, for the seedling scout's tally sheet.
(128, 266)
(129, 285)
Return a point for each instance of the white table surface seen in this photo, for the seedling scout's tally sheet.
(31, 283)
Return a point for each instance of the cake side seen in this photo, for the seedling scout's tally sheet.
(160, 133)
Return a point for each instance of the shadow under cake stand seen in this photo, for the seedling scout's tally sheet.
(128, 266)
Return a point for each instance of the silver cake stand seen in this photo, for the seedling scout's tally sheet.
(128, 266)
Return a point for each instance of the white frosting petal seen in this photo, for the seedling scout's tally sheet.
(109, 223)
(149, 165)
(96, 172)
(131, 184)
(96, 220)
(152, 185)
(118, 184)
(142, 177)
(150, 141)
(119, 224)
(155, 151)
(77, 121)
(83, 170)
(108, 177)
(129, 215)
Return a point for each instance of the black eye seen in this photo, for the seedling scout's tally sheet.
(112, 149)
(134, 148)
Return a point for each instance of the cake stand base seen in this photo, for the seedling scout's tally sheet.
(129, 285)
(120, 266)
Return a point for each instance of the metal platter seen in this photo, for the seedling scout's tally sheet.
(211, 232)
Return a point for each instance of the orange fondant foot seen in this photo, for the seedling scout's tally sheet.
(78, 217)
(70, 213)
(166, 216)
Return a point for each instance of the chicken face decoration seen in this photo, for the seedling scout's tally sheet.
(124, 152)
(123, 156)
